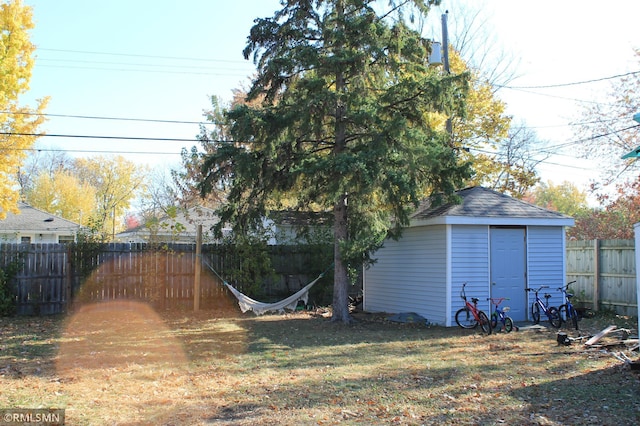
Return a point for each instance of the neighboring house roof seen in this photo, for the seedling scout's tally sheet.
(298, 218)
(484, 206)
(181, 227)
(31, 219)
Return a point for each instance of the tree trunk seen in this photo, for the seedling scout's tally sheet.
(340, 225)
(341, 277)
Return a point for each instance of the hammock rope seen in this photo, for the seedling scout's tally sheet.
(248, 304)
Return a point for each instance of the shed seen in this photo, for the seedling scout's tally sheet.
(497, 244)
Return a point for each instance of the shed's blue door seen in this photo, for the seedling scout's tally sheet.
(508, 269)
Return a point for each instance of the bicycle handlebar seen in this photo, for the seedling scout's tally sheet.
(539, 288)
(567, 286)
(463, 295)
(497, 300)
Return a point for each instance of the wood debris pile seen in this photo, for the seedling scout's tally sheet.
(612, 340)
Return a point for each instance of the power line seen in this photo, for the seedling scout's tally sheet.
(151, 120)
(575, 83)
(134, 55)
(95, 151)
(558, 97)
(544, 161)
(133, 138)
(551, 126)
(246, 67)
(591, 138)
(137, 64)
(183, 58)
(136, 138)
(155, 71)
(93, 117)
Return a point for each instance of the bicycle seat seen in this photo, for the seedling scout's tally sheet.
(569, 295)
(547, 296)
(474, 300)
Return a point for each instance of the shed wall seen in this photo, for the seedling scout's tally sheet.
(546, 261)
(413, 274)
(410, 275)
(470, 264)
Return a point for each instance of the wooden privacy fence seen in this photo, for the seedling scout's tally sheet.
(51, 276)
(605, 271)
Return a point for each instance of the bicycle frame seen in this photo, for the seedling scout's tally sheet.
(500, 315)
(538, 305)
(567, 310)
(473, 307)
(464, 320)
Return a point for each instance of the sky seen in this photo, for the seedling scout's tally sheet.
(156, 63)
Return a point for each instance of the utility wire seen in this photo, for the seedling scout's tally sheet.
(95, 151)
(591, 138)
(563, 145)
(575, 83)
(93, 117)
(133, 55)
(151, 120)
(559, 97)
(137, 64)
(544, 161)
(155, 71)
(133, 138)
(182, 58)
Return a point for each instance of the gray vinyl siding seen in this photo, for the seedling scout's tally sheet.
(545, 260)
(410, 275)
(470, 264)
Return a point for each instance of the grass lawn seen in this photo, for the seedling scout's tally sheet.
(125, 364)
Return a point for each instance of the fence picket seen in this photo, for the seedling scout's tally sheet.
(50, 276)
(605, 271)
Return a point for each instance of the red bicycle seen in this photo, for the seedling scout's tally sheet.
(470, 316)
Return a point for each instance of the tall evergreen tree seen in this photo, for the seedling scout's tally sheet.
(347, 98)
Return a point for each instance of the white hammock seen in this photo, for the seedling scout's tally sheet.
(248, 304)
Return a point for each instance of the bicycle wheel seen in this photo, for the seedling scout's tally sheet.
(535, 313)
(554, 317)
(564, 315)
(508, 324)
(573, 314)
(465, 319)
(485, 323)
(494, 320)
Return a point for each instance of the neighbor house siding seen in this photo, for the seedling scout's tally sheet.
(470, 264)
(410, 275)
(545, 260)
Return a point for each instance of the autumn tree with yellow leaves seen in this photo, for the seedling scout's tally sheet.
(486, 137)
(64, 194)
(17, 122)
(117, 182)
(96, 192)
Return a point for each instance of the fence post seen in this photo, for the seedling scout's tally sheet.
(196, 284)
(636, 231)
(596, 274)
(68, 281)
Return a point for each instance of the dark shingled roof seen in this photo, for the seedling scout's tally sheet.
(482, 202)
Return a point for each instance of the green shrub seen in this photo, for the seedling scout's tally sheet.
(7, 295)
